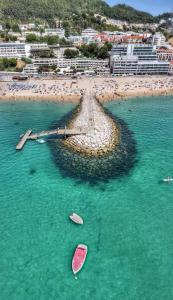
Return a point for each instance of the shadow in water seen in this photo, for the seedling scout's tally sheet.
(113, 165)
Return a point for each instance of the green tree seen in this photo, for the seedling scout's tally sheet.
(16, 28)
(70, 53)
(54, 67)
(31, 38)
(102, 52)
(5, 62)
(52, 40)
(12, 62)
(12, 38)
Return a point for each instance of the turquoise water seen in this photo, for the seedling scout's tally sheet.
(128, 221)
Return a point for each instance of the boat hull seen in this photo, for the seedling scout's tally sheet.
(79, 258)
(76, 219)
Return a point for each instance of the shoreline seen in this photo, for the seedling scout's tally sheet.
(71, 91)
(76, 99)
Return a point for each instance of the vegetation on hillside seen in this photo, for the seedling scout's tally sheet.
(50, 40)
(76, 14)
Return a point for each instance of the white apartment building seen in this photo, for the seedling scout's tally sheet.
(79, 63)
(136, 59)
(55, 31)
(131, 65)
(159, 40)
(25, 33)
(29, 48)
(143, 51)
(27, 26)
(12, 50)
(75, 39)
(89, 33)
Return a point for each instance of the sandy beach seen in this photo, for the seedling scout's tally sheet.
(71, 90)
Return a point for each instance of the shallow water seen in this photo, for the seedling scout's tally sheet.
(128, 221)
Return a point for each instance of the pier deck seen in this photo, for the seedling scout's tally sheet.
(23, 140)
(59, 132)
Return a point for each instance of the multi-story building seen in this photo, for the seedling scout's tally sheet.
(143, 51)
(159, 40)
(55, 31)
(131, 65)
(136, 59)
(78, 63)
(12, 50)
(34, 48)
(165, 54)
(75, 39)
(89, 33)
(27, 26)
(37, 33)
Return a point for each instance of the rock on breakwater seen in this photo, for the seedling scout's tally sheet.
(101, 131)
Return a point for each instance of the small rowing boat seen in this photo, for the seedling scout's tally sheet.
(76, 219)
(41, 141)
(79, 258)
(168, 179)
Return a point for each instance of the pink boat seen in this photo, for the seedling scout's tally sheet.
(79, 258)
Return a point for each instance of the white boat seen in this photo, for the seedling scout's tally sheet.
(76, 219)
(41, 141)
(168, 179)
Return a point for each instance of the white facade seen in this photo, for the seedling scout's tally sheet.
(29, 48)
(25, 33)
(77, 63)
(136, 59)
(55, 31)
(27, 26)
(89, 32)
(159, 40)
(12, 50)
(132, 66)
(143, 51)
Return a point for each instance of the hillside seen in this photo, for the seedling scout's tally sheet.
(45, 9)
(77, 13)
(128, 13)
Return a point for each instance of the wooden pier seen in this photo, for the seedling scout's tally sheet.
(59, 132)
(23, 140)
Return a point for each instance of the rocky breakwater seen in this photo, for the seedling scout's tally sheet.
(105, 148)
(100, 132)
